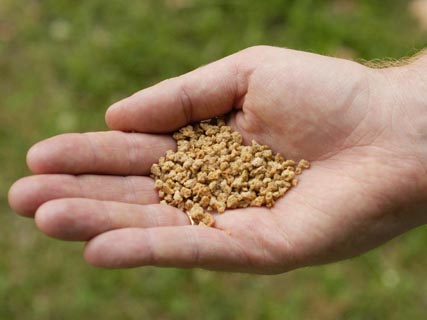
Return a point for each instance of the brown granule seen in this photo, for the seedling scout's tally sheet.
(213, 171)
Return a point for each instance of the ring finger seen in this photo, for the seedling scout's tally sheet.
(82, 219)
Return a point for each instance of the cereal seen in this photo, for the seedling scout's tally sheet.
(212, 171)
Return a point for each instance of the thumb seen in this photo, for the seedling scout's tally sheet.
(206, 92)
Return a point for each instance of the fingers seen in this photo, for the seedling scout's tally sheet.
(203, 93)
(185, 246)
(27, 194)
(82, 219)
(111, 152)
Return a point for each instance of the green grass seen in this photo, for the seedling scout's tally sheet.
(62, 64)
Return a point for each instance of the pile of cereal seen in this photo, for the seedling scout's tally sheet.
(212, 171)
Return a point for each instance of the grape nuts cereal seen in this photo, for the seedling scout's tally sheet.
(212, 171)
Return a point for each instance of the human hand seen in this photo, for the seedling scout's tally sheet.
(365, 185)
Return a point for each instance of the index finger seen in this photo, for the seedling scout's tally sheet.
(204, 93)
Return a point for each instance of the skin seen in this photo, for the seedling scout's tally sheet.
(364, 131)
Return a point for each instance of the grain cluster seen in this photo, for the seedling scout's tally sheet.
(212, 171)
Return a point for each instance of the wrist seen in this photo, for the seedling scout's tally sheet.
(410, 103)
(412, 90)
(401, 95)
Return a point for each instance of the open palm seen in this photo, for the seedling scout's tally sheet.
(94, 187)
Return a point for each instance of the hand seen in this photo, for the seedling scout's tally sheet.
(364, 187)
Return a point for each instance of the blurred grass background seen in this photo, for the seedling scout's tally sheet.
(63, 62)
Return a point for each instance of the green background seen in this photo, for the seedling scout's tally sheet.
(63, 62)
